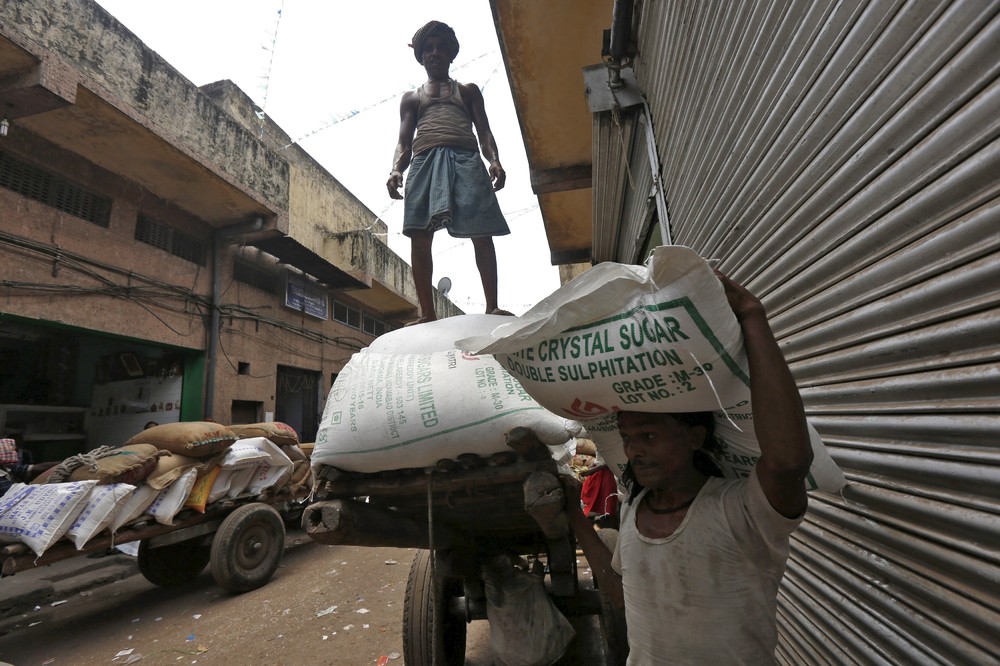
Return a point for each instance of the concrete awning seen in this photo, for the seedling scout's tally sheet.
(545, 47)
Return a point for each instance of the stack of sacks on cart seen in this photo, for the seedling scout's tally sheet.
(152, 477)
(654, 338)
(411, 399)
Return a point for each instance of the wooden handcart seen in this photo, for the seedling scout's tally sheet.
(460, 515)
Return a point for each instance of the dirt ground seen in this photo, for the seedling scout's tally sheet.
(325, 605)
(331, 605)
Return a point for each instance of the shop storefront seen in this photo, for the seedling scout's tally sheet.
(66, 390)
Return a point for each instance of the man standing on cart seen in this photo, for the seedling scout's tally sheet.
(448, 187)
(699, 558)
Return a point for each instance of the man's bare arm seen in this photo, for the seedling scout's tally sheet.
(404, 146)
(473, 98)
(778, 415)
(597, 553)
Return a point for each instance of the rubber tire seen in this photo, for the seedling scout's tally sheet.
(431, 637)
(614, 631)
(173, 565)
(247, 548)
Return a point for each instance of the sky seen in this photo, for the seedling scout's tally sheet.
(331, 74)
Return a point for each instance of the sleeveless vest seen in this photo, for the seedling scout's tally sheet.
(443, 121)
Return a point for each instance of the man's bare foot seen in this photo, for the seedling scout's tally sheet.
(498, 311)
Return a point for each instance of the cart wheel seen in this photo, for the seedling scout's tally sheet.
(247, 548)
(614, 632)
(174, 564)
(431, 637)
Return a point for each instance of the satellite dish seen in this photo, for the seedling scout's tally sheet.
(444, 285)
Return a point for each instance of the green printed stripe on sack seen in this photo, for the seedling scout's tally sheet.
(684, 303)
(436, 434)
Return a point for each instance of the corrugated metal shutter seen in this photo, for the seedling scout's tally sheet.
(625, 201)
(639, 208)
(612, 139)
(842, 160)
(623, 207)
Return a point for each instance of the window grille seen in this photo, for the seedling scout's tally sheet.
(52, 190)
(355, 319)
(372, 326)
(157, 234)
(255, 277)
(340, 312)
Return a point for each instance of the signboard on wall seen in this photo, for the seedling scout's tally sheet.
(305, 296)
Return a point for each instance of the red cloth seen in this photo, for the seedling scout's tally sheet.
(600, 493)
(8, 451)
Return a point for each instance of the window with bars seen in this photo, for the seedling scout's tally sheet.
(168, 239)
(255, 277)
(345, 314)
(53, 190)
(372, 326)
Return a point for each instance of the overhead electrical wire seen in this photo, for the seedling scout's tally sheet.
(150, 293)
(356, 112)
(347, 115)
(146, 299)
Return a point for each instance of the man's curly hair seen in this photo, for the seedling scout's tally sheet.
(442, 30)
(702, 457)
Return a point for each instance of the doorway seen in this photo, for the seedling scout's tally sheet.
(243, 412)
(297, 400)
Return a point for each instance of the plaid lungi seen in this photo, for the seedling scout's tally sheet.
(451, 189)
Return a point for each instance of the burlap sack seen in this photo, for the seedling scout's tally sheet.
(170, 467)
(197, 439)
(280, 433)
(126, 464)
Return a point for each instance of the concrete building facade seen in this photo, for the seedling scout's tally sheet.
(167, 253)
